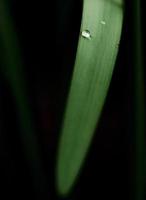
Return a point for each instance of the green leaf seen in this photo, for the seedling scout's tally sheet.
(95, 59)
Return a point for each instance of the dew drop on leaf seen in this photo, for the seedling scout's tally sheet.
(86, 34)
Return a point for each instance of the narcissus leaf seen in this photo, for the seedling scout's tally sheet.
(95, 59)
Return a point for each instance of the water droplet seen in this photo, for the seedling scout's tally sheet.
(86, 34)
(103, 22)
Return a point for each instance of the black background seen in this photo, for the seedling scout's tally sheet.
(48, 39)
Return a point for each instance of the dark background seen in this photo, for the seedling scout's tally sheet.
(48, 39)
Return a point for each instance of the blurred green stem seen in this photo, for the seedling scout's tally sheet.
(139, 99)
(12, 68)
